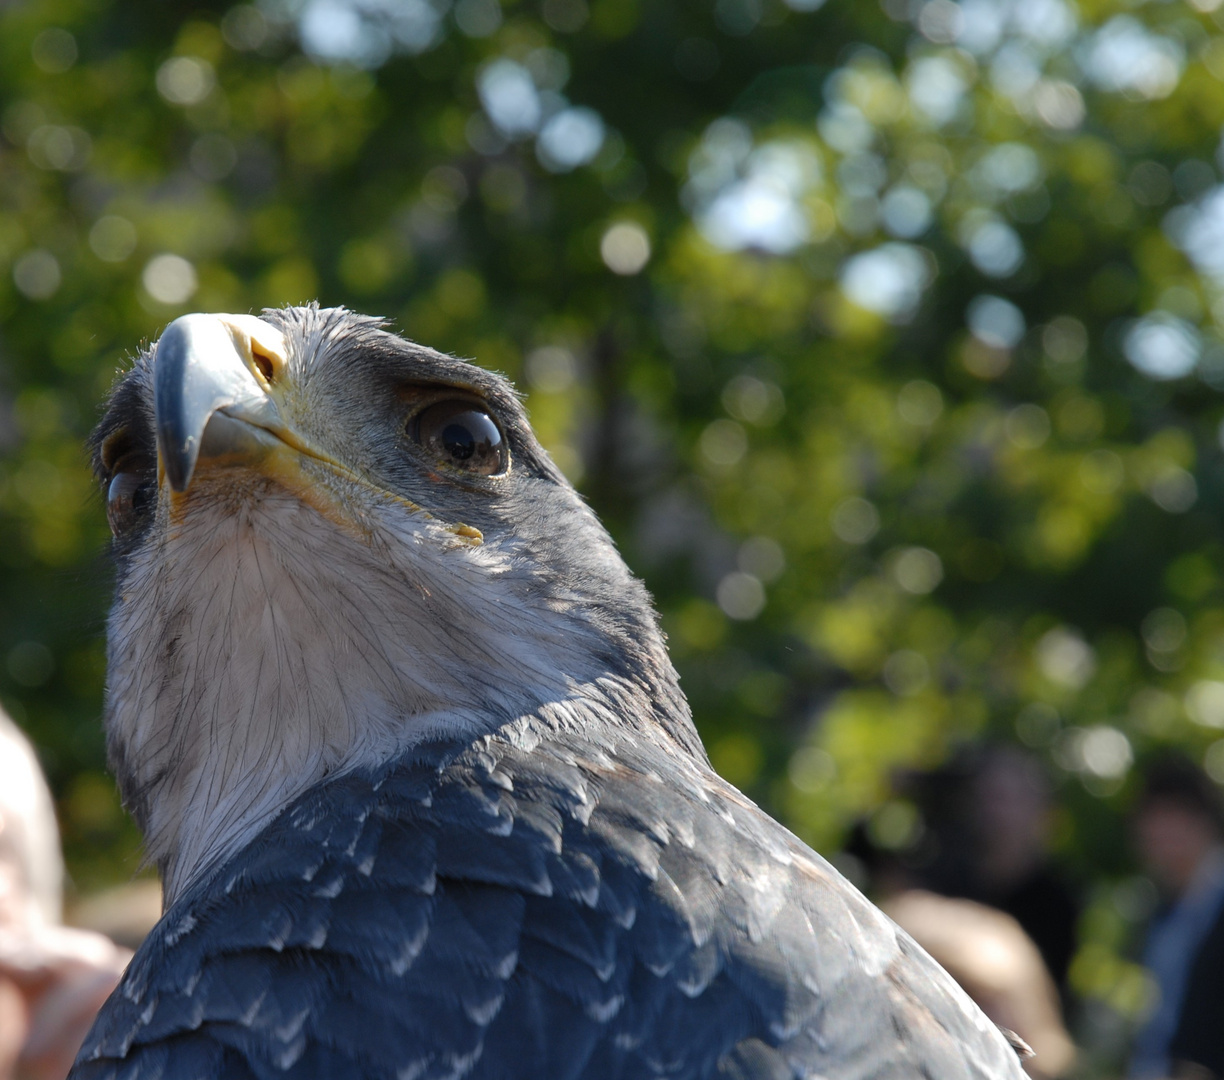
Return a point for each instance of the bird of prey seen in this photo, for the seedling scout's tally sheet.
(402, 735)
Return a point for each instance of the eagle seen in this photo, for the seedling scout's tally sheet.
(401, 732)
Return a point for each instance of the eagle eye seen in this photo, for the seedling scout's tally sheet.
(128, 496)
(461, 435)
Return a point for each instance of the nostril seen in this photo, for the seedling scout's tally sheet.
(263, 363)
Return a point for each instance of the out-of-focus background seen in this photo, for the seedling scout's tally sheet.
(886, 338)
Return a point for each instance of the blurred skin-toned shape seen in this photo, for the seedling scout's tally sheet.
(52, 978)
(1013, 804)
(1174, 841)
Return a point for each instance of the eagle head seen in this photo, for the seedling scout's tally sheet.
(333, 544)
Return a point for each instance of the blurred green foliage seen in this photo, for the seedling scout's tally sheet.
(887, 340)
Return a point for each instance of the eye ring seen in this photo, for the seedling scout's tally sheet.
(462, 435)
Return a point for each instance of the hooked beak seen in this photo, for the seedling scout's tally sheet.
(212, 376)
(214, 380)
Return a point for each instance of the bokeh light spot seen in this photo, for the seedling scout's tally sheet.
(37, 274)
(169, 279)
(185, 80)
(625, 248)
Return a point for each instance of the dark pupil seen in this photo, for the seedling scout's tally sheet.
(459, 442)
(461, 436)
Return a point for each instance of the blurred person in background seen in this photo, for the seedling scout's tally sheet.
(52, 978)
(1012, 811)
(1179, 831)
(987, 817)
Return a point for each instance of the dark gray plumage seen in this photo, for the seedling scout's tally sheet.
(502, 852)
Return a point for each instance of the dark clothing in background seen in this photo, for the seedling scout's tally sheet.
(1199, 1037)
(1184, 948)
(1046, 907)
